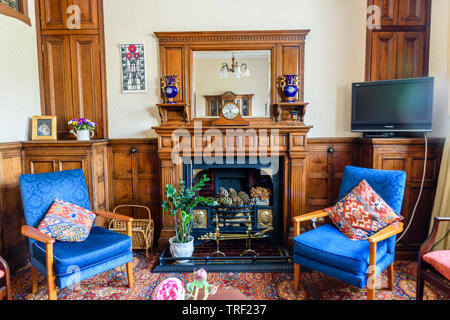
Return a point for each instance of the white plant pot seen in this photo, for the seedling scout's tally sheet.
(181, 250)
(83, 135)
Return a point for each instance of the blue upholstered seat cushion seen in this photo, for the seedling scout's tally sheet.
(328, 245)
(100, 246)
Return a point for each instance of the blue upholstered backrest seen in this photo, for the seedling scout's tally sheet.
(40, 190)
(390, 185)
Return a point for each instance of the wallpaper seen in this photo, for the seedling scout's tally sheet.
(19, 78)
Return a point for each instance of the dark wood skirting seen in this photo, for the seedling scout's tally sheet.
(128, 171)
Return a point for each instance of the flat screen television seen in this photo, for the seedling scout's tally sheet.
(392, 106)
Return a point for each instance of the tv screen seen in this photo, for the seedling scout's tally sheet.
(403, 105)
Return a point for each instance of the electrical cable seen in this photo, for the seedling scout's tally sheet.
(421, 190)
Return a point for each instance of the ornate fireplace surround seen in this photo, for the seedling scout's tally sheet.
(278, 136)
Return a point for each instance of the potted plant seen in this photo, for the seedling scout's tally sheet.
(180, 202)
(84, 128)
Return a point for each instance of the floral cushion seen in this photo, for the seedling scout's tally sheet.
(440, 260)
(67, 222)
(362, 213)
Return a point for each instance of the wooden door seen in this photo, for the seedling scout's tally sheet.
(389, 11)
(384, 56)
(57, 80)
(53, 14)
(413, 12)
(88, 12)
(86, 78)
(411, 55)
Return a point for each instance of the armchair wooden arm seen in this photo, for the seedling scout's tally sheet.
(35, 234)
(387, 232)
(306, 217)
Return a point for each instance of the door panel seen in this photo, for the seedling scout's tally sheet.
(53, 14)
(389, 11)
(88, 11)
(87, 91)
(57, 81)
(384, 56)
(411, 46)
(413, 12)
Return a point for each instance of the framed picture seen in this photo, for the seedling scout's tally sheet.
(134, 76)
(44, 128)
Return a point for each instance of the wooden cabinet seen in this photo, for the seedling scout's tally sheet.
(400, 49)
(398, 55)
(91, 156)
(408, 155)
(72, 64)
(327, 159)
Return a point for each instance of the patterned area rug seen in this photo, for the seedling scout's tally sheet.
(112, 285)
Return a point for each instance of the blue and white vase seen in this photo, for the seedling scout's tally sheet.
(170, 87)
(290, 85)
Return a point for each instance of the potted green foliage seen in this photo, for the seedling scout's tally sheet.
(180, 202)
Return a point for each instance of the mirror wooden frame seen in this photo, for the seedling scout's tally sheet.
(177, 56)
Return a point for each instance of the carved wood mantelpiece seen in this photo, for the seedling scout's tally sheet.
(286, 141)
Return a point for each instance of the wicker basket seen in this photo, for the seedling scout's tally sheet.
(142, 230)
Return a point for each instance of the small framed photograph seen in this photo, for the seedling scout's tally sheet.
(44, 128)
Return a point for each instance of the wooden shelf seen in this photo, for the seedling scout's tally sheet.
(174, 113)
(282, 112)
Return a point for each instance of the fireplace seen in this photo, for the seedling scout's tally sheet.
(237, 215)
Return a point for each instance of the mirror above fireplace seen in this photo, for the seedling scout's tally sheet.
(239, 76)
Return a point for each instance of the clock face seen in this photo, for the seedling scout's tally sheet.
(230, 111)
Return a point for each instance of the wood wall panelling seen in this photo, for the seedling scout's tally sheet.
(135, 177)
(13, 246)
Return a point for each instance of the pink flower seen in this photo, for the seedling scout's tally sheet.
(137, 55)
(170, 289)
(201, 275)
(129, 56)
(132, 48)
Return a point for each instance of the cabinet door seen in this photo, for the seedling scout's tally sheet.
(57, 80)
(411, 53)
(86, 78)
(384, 56)
(53, 14)
(413, 12)
(88, 12)
(389, 11)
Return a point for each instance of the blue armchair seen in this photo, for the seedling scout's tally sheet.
(66, 263)
(329, 251)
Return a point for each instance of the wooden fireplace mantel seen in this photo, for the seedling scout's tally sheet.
(286, 139)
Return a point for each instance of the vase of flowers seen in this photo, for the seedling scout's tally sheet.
(179, 204)
(173, 288)
(83, 128)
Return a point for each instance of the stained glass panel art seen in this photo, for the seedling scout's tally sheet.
(133, 68)
(11, 3)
